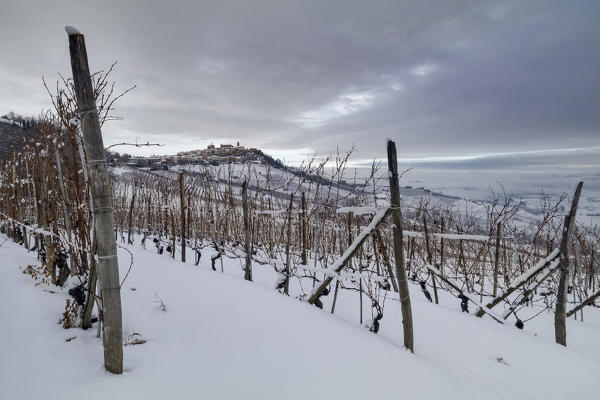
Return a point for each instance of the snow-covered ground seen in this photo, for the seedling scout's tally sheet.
(524, 185)
(224, 338)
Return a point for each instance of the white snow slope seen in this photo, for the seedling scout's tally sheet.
(224, 338)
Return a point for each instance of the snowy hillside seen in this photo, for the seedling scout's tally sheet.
(220, 337)
(473, 199)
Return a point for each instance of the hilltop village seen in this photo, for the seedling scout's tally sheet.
(225, 153)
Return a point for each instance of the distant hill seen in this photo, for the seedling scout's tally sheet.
(12, 133)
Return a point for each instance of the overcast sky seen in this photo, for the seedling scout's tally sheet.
(444, 79)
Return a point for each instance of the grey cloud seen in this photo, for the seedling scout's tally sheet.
(450, 78)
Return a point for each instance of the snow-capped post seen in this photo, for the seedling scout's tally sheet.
(247, 248)
(497, 259)
(108, 267)
(183, 206)
(560, 317)
(399, 246)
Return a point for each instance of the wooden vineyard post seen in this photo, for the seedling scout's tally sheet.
(188, 210)
(360, 279)
(174, 235)
(560, 317)
(303, 254)
(430, 258)
(130, 222)
(247, 248)
(88, 307)
(288, 258)
(399, 246)
(337, 281)
(442, 247)
(182, 199)
(166, 222)
(65, 208)
(108, 266)
(496, 259)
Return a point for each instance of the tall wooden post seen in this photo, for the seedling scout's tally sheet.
(108, 266)
(183, 206)
(560, 318)
(248, 249)
(399, 246)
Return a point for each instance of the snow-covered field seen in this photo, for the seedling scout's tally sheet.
(224, 338)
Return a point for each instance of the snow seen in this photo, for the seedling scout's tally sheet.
(119, 170)
(448, 236)
(224, 338)
(357, 210)
(71, 30)
(11, 121)
(455, 236)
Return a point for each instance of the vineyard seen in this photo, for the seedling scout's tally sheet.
(318, 233)
(299, 224)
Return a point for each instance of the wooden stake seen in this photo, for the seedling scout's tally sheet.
(288, 259)
(496, 259)
(182, 199)
(108, 266)
(430, 258)
(130, 222)
(407, 323)
(560, 326)
(247, 249)
(303, 254)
